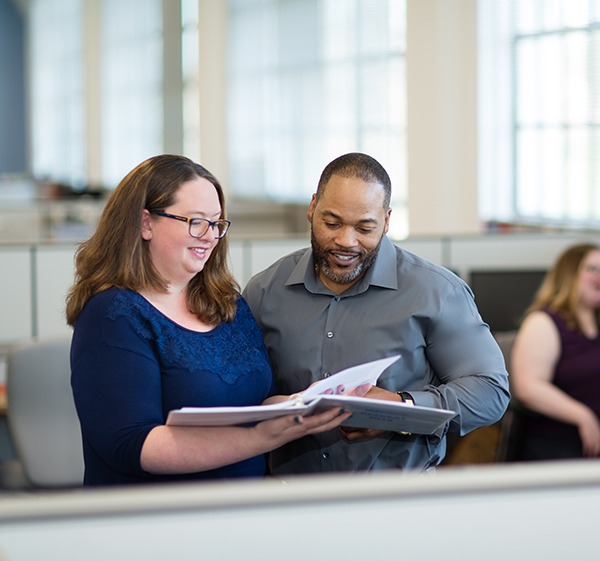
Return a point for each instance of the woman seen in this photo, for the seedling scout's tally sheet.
(556, 360)
(159, 324)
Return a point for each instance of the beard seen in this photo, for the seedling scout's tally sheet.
(320, 254)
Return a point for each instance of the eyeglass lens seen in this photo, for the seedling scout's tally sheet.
(199, 227)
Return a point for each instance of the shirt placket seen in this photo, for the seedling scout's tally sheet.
(330, 357)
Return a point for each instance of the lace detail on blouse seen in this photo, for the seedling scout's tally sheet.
(229, 350)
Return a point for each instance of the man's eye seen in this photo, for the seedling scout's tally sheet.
(331, 225)
(366, 230)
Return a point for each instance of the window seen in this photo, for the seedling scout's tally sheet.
(57, 91)
(191, 78)
(540, 118)
(308, 81)
(131, 77)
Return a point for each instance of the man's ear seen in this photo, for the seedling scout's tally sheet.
(311, 208)
(387, 220)
(146, 225)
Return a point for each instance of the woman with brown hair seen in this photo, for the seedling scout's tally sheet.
(159, 324)
(556, 361)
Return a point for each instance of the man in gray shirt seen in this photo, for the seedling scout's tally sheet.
(354, 297)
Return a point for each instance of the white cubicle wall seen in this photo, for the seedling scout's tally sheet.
(492, 513)
(33, 286)
(34, 278)
(16, 293)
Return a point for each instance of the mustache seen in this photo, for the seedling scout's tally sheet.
(343, 250)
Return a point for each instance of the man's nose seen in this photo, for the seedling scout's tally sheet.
(346, 237)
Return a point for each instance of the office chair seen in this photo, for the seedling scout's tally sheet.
(41, 413)
(511, 424)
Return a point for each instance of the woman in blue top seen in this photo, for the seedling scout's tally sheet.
(159, 324)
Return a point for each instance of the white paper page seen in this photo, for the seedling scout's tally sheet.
(350, 378)
(232, 408)
(225, 416)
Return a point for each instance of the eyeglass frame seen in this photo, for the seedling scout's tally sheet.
(192, 221)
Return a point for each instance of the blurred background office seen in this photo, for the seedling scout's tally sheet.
(486, 113)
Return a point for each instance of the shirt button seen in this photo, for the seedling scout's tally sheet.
(326, 374)
(325, 455)
(330, 334)
(337, 298)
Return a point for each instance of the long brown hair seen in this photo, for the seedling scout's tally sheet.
(558, 291)
(117, 256)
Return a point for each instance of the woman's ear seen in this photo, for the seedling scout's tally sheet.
(146, 225)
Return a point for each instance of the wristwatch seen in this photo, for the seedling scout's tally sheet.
(408, 399)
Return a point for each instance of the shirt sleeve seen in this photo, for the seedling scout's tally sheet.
(117, 389)
(468, 363)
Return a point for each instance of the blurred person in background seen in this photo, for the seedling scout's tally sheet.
(556, 361)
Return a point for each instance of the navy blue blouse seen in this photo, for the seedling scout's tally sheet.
(130, 365)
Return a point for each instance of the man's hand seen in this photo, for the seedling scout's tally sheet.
(353, 434)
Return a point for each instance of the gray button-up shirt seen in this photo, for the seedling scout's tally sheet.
(403, 305)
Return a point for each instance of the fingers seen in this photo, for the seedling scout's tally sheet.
(321, 422)
(350, 434)
(590, 438)
(591, 449)
(360, 391)
(353, 435)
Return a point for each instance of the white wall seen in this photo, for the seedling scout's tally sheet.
(441, 62)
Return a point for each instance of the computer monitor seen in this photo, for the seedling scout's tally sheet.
(503, 296)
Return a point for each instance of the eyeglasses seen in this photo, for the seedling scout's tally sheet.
(199, 226)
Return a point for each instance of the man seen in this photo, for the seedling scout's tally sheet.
(354, 297)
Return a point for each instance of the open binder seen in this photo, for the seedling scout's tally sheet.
(323, 395)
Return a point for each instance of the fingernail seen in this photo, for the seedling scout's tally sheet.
(342, 410)
(297, 420)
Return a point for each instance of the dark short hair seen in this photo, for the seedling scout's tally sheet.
(356, 164)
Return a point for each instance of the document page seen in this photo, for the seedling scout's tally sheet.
(349, 379)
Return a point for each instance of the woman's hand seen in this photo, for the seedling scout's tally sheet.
(292, 427)
(282, 430)
(589, 432)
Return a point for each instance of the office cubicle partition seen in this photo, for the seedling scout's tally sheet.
(36, 276)
(492, 513)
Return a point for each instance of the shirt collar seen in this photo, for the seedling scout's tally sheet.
(383, 272)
